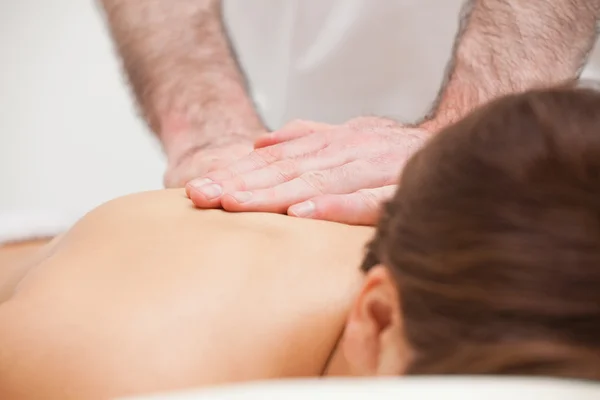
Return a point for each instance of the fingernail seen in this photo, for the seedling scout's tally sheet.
(198, 183)
(302, 210)
(195, 184)
(242, 197)
(211, 191)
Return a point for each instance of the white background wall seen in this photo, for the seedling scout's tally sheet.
(69, 134)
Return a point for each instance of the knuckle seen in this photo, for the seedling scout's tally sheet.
(219, 175)
(266, 155)
(370, 199)
(237, 182)
(316, 179)
(286, 170)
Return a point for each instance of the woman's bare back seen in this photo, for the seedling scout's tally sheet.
(147, 294)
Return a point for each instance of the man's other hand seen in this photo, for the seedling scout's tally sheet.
(337, 173)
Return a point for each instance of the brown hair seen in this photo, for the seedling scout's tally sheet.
(493, 238)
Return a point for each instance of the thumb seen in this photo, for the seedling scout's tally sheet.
(359, 208)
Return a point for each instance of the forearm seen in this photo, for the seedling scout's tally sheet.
(181, 68)
(507, 46)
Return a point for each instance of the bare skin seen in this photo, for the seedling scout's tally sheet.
(16, 260)
(186, 81)
(343, 173)
(509, 46)
(148, 294)
(193, 95)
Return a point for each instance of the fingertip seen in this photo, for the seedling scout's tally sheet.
(343, 209)
(200, 200)
(256, 201)
(241, 202)
(330, 208)
(188, 190)
(263, 140)
(229, 203)
(305, 209)
(194, 195)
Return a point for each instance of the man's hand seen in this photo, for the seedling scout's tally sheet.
(336, 173)
(186, 81)
(199, 160)
(190, 154)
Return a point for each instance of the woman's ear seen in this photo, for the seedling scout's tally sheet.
(373, 341)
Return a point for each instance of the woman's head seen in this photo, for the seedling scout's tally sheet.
(487, 260)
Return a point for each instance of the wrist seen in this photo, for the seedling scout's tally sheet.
(440, 120)
(457, 100)
(209, 125)
(181, 136)
(205, 99)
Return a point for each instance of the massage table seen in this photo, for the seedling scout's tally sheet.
(400, 388)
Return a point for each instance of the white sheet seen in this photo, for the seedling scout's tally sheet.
(414, 388)
(18, 226)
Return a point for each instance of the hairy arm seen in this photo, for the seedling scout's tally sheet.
(506, 46)
(182, 70)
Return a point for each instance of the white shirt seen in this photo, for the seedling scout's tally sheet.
(332, 60)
